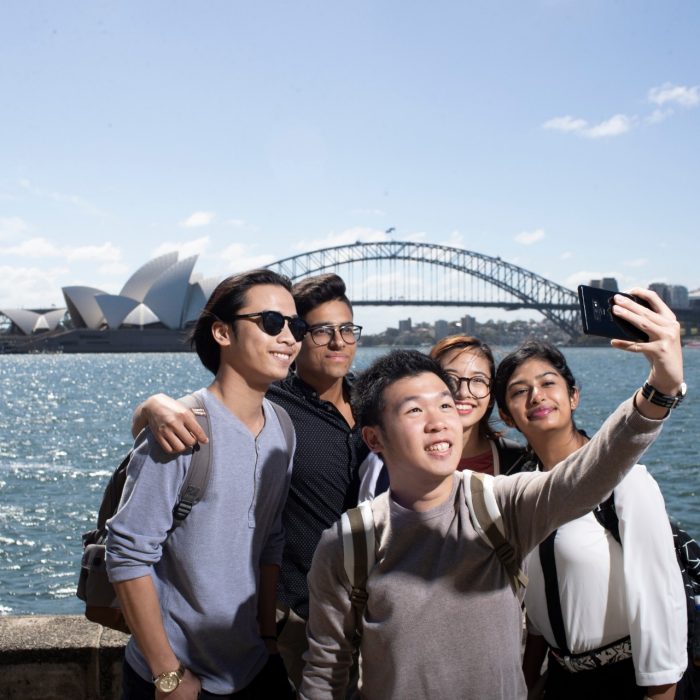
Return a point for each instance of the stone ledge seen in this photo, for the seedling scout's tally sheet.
(47, 657)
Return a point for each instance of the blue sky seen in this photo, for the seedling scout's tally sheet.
(561, 135)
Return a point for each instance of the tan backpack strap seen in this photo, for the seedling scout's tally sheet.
(359, 556)
(488, 522)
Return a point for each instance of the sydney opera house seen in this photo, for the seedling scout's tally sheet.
(152, 313)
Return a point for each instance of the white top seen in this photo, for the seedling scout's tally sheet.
(608, 592)
(369, 472)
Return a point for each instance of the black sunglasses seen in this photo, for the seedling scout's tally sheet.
(272, 322)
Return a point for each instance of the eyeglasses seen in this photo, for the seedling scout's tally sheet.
(272, 322)
(323, 334)
(478, 387)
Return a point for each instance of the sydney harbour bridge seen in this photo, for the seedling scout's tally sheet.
(402, 273)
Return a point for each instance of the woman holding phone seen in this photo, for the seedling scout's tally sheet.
(612, 616)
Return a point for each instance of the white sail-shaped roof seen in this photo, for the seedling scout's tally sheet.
(24, 319)
(199, 295)
(32, 321)
(83, 306)
(139, 284)
(54, 317)
(140, 316)
(167, 295)
(115, 308)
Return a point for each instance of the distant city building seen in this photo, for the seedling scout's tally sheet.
(442, 330)
(605, 283)
(694, 299)
(405, 325)
(663, 290)
(675, 295)
(468, 325)
(679, 297)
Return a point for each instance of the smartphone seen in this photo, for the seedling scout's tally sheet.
(598, 319)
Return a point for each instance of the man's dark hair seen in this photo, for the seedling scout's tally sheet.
(367, 398)
(226, 301)
(319, 289)
(528, 350)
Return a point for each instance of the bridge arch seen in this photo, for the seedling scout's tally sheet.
(405, 273)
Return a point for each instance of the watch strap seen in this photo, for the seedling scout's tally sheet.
(653, 395)
(171, 676)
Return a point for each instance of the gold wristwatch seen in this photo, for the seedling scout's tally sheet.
(170, 680)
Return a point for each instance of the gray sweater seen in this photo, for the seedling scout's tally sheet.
(206, 572)
(441, 620)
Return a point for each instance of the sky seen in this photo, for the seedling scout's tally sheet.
(560, 135)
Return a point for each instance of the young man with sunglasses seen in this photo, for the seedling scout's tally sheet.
(200, 599)
(329, 446)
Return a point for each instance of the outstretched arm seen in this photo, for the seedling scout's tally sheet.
(173, 425)
(663, 350)
(535, 504)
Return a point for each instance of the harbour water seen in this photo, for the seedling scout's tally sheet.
(65, 423)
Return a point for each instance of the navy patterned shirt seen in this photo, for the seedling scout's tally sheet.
(324, 481)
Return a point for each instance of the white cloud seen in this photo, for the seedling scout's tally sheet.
(675, 94)
(456, 240)
(351, 235)
(43, 248)
(32, 248)
(236, 223)
(566, 124)
(199, 218)
(105, 253)
(659, 115)
(238, 257)
(114, 269)
(566, 255)
(30, 287)
(616, 125)
(11, 227)
(637, 262)
(530, 237)
(184, 248)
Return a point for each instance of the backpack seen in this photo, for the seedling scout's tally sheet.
(101, 602)
(688, 556)
(359, 550)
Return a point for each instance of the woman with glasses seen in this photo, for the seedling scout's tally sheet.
(470, 365)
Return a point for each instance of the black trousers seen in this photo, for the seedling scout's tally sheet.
(266, 685)
(610, 682)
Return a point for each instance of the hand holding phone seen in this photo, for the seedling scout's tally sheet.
(598, 319)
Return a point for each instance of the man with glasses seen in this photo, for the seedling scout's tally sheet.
(200, 598)
(329, 447)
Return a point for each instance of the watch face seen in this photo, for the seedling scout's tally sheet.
(168, 682)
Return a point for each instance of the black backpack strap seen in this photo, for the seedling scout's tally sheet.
(551, 590)
(200, 467)
(606, 515)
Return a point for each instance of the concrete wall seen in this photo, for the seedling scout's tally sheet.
(63, 657)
